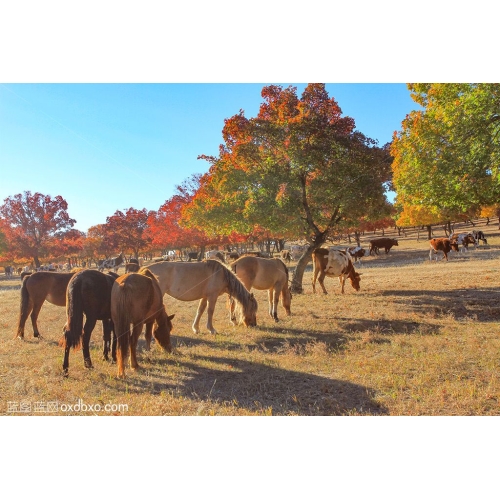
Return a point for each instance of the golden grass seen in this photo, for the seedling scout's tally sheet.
(420, 338)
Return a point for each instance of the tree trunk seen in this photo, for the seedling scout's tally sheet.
(298, 273)
(357, 236)
(201, 255)
(429, 232)
(37, 261)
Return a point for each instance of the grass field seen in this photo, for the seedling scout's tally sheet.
(420, 338)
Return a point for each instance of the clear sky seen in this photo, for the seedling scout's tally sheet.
(108, 147)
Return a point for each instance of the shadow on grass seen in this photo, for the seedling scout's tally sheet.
(262, 387)
(479, 304)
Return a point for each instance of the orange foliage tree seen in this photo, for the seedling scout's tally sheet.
(33, 223)
(298, 168)
(127, 230)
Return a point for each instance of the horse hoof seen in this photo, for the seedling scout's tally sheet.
(65, 372)
(88, 363)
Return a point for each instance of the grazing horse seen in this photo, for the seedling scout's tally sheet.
(136, 299)
(35, 290)
(205, 281)
(114, 263)
(265, 274)
(89, 293)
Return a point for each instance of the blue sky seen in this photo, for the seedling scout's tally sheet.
(108, 147)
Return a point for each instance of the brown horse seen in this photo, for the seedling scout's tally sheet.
(89, 293)
(265, 274)
(205, 281)
(136, 299)
(36, 289)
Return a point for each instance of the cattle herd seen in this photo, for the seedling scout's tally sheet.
(83, 293)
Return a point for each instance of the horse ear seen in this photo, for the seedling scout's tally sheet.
(171, 317)
(251, 295)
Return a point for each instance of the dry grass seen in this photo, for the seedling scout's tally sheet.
(420, 338)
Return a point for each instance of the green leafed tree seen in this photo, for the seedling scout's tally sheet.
(298, 168)
(447, 154)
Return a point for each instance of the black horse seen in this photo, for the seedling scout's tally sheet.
(89, 293)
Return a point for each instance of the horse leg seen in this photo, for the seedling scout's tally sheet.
(232, 307)
(201, 307)
(149, 334)
(210, 314)
(113, 345)
(136, 333)
(34, 316)
(274, 296)
(87, 332)
(66, 358)
(106, 329)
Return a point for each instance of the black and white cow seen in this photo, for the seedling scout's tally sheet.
(114, 263)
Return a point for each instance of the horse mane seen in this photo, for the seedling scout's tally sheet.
(235, 287)
(286, 268)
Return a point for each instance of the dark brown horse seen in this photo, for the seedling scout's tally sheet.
(136, 299)
(36, 289)
(88, 293)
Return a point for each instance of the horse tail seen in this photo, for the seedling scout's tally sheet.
(74, 310)
(25, 308)
(122, 324)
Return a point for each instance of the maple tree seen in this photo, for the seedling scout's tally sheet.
(164, 228)
(298, 168)
(33, 222)
(127, 230)
(447, 154)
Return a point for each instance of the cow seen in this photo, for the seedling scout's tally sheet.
(114, 263)
(386, 243)
(192, 256)
(333, 263)
(356, 253)
(232, 256)
(444, 245)
(479, 236)
(215, 254)
(296, 251)
(463, 239)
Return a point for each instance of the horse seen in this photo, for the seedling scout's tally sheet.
(205, 281)
(136, 299)
(132, 267)
(89, 293)
(37, 288)
(114, 263)
(265, 274)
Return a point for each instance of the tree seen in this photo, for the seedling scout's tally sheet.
(447, 155)
(164, 227)
(33, 222)
(127, 230)
(298, 168)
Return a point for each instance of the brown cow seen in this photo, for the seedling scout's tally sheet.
(333, 263)
(386, 243)
(444, 245)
